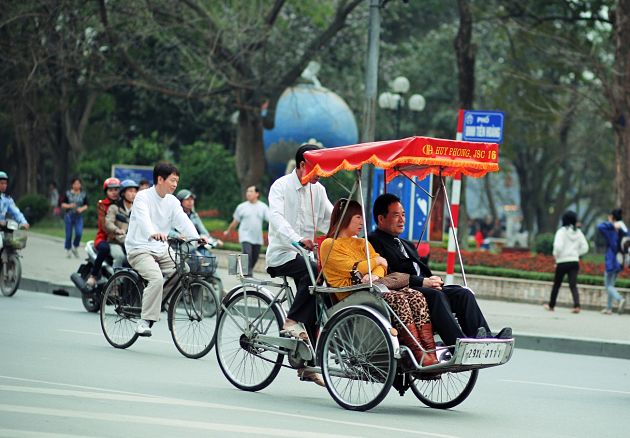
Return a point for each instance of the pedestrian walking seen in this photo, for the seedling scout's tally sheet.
(250, 215)
(613, 231)
(53, 199)
(73, 203)
(569, 244)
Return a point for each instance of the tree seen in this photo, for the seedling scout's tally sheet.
(244, 48)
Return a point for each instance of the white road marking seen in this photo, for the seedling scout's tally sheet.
(145, 398)
(159, 421)
(80, 332)
(63, 309)
(14, 433)
(579, 388)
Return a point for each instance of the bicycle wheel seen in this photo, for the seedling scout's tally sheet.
(11, 275)
(120, 309)
(449, 390)
(357, 359)
(245, 362)
(192, 317)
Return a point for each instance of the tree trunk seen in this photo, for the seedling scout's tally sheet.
(250, 153)
(621, 97)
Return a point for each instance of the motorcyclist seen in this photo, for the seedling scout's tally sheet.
(7, 205)
(117, 221)
(111, 188)
(187, 199)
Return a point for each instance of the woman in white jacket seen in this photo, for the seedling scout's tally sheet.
(568, 245)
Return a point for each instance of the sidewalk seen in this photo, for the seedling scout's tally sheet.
(46, 269)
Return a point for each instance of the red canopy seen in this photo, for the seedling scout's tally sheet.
(417, 156)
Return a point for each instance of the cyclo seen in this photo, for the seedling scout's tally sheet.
(357, 350)
(192, 304)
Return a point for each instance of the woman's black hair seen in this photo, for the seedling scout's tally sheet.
(569, 218)
(616, 214)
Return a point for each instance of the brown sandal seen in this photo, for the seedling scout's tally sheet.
(310, 376)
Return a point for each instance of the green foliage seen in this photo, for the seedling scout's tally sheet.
(34, 207)
(208, 170)
(543, 243)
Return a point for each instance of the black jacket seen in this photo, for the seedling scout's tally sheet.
(387, 247)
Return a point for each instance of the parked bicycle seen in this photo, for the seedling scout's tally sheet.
(12, 240)
(192, 305)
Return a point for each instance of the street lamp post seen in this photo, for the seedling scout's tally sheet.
(395, 101)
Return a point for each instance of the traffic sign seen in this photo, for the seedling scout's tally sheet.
(132, 171)
(483, 126)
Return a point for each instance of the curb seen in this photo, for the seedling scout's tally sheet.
(588, 347)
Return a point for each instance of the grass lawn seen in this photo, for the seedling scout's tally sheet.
(56, 228)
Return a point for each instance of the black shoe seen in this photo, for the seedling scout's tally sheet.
(505, 333)
(482, 333)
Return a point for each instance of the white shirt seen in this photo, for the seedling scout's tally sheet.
(569, 244)
(296, 211)
(151, 214)
(251, 216)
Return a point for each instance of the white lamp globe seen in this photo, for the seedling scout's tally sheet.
(417, 102)
(400, 84)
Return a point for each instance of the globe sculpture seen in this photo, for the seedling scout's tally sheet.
(307, 112)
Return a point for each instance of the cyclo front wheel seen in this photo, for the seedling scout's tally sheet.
(245, 316)
(447, 391)
(121, 308)
(192, 317)
(357, 360)
(10, 275)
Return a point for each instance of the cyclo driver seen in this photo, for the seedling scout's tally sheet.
(155, 210)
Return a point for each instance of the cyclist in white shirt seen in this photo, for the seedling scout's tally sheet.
(155, 211)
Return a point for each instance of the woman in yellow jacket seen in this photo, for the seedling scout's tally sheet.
(339, 256)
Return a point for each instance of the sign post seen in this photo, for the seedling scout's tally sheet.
(480, 126)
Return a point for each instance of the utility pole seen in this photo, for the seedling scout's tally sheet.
(371, 89)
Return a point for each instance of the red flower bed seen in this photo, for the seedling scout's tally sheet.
(523, 261)
(233, 236)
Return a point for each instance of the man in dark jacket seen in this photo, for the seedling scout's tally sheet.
(401, 256)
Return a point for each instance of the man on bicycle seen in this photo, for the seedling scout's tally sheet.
(7, 205)
(296, 212)
(155, 211)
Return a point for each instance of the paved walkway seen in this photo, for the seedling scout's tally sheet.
(46, 269)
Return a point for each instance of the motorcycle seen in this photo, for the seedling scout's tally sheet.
(12, 240)
(91, 298)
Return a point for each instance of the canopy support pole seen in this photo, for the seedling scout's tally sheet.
(453, 243)
(365, 229)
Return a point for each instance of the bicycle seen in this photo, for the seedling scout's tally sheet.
(192, 303)
(12, 240)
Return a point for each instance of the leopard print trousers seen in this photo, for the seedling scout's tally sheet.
(409, 304)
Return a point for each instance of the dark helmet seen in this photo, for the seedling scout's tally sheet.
(111, 183)
(128, 184)
(185, 194)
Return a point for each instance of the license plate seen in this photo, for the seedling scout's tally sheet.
(478, 353)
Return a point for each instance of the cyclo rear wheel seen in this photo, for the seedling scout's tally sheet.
(192, 317)
(10, 275)
(357, 360)
(121, 308)
(446, 392)
(246, 315)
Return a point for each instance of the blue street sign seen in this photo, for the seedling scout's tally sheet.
(483, 126)
(136, 173)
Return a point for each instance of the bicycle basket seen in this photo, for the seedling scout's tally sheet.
(16, 239)
(201, 264)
